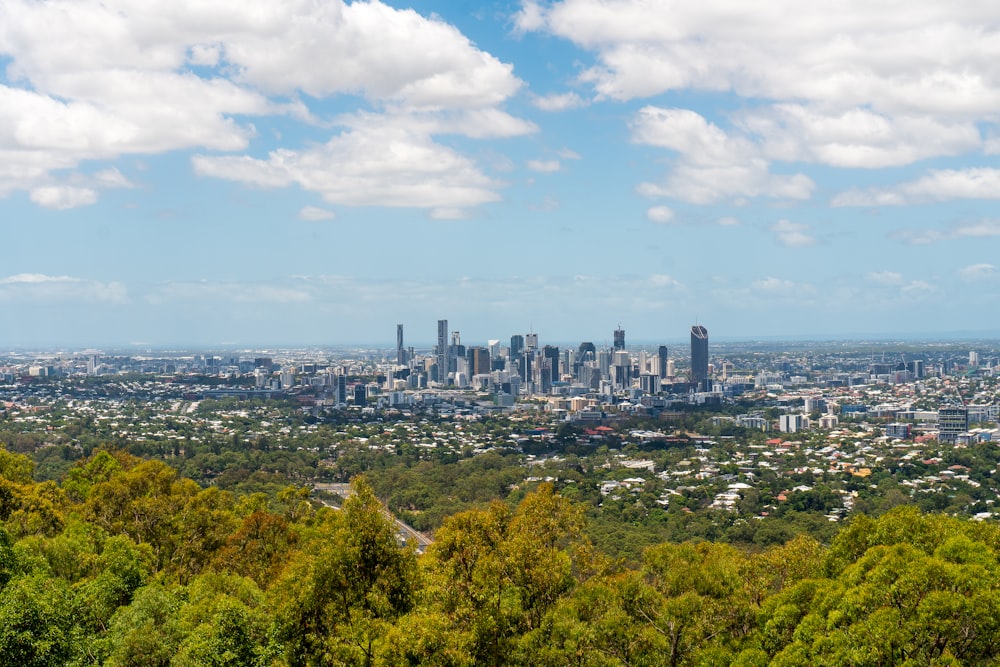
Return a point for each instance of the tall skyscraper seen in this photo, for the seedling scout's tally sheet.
(662, 357)
(516, 346)
(619, 338)
(551, 353)
(531, 341)
(400, 350)
(443, 360)
(479, 360)
(699, 354)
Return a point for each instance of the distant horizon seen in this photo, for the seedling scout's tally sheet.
(878, 339)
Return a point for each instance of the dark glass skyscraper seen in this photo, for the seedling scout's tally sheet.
(516, 346)
(619, 339)
(662, 358)
(699, 354)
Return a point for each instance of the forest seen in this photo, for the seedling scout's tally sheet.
(123, 561)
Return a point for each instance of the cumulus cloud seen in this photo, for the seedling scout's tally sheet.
(853, 138)
(315, 214)
(977, 229)
(369, 164)
(156, 78)
(62, 197)
(661, 214)
(885, 55)
(792, 234)
(978, 272)
(937, 185)
(39, 287)
(711, 165)
(558, 102)
(868, 86)
(544, 166)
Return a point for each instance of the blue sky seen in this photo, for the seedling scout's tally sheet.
(305, 172)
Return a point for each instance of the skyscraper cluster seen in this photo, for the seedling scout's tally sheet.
(525, 366)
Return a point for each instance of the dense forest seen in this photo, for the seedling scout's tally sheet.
(125, 562)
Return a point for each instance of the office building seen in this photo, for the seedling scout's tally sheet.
(516, 346)
(952, 422)
(662, 358)
(699, 354)
(619, 338)
(400, 350)
(551, 353)
(479, 360)
(443, 358)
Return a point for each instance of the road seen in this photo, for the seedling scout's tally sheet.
(406, 532)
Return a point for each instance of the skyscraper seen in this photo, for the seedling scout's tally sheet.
(551, 353)
(619, 338)
(662, 357)
(516, 346)
(442, 352)
(699, 354)
(400, 350)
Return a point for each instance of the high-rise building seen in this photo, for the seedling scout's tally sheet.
(479, 360)
(619, 338)
(531, 341)
(662, 357)
(341, 389)
(551, 352)
(400, 350)
(699, 354)
(443, 359)
(516, 346)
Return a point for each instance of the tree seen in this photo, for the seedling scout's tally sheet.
(339, 596)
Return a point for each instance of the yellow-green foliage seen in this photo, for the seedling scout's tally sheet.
(127, 563)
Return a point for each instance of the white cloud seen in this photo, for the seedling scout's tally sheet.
(39, 287)
(894, 57)
(448, 213)
(62, 197)
(111, 178)
(855, 137)
(567, 154)
(661, 214)
(136, 85)
(558, 102)
(792, 234)
(727, 221)
(315, 214)
(530, 17)
(866, 85)
(374, 163)
(711, 165)
(977, 272)
(706, 185)
(937, 185)
(885, 278)
(544, 166)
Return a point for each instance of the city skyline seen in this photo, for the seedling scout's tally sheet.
(295, 173)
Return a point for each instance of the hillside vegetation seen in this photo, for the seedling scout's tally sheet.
(125, 562)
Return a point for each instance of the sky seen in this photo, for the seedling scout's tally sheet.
(303, 172)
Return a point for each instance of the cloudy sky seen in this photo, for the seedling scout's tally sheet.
(316, 171)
